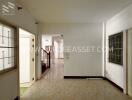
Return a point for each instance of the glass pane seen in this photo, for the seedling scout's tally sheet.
(1, 41)
(6, 63)
(11, 33)
(11, 52)
(6, 54)
(6, 31)
(5, 41)
(1, 52)
(1, 64)
(11, 61)
(10, 65)
(11, 42)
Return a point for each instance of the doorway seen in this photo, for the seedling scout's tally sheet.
(54, 44)
(26, 60)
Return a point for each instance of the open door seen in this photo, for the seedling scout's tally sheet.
(27, 59)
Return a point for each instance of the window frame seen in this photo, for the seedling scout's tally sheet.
(116, 48)
(16, 51)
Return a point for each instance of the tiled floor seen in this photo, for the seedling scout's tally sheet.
(54, 87)
(56, 71)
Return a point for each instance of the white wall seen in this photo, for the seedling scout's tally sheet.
(61, 49)
(84, 64)
(56, 49)
(9, 81)
(118, 23)
(130, 62)
(21, 19)
(46, 41)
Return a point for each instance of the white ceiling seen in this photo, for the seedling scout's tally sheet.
(74, 11)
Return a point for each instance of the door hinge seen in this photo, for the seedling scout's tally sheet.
(33, 59)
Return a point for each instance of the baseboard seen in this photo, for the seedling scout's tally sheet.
(85, 77)
(120, 88)
(17, 98)
(81, 77)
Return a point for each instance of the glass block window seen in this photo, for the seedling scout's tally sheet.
(116, 48)
(7, 47)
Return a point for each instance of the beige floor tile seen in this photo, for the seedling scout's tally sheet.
(53, 87)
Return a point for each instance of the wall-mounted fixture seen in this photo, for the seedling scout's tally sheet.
(19, 8)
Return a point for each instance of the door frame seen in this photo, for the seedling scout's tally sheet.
(18, 40)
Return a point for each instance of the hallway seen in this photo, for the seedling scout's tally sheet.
(52, 86)
(56, 71)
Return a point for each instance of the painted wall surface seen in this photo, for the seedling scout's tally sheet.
(9, 81)
(61, 49)
(75, 35)
(9, 85)
(56, 49)
(122, 21)
(130, 62)
(46, 41)
(21, 19)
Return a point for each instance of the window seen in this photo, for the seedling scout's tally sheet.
(7, 48)
(116, 48)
